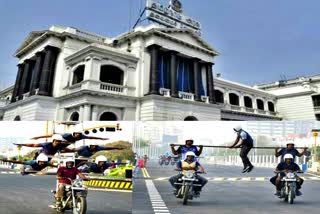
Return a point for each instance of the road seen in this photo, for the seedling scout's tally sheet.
(31, 194)
(228, 191)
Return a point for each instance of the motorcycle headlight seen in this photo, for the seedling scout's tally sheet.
(189, 174)
(78, 183)
(290, 175)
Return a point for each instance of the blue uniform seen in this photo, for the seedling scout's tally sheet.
(95, 169)
(34, 165)
(85, 151)
(69, 137)
(183, 150)
(246, 137)
(48, 149)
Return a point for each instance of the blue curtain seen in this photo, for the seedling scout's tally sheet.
(202, 92)
(163, 66)
(180, 76)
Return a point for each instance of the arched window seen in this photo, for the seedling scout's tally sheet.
(219, 96)
(260, 104)
(108, 116)
(78, 74)
(190, 118)
(247, 102)
(74, 116)
(111, 74)
(234, 99)
(271, 106)
(17, 118)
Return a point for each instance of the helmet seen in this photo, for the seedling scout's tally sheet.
(288, 156)
(100, 158)
(237, 128)
(290, 142)
(68, 160)
(189, 139)
(57, 137)
(77, 130)
(190, 154)
(42, 157)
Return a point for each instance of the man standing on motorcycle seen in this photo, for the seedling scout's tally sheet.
(188, 147)
(64, 173)
(289, 150)
(88, 151)
(287, 166)
(188, 164)
(246, 144)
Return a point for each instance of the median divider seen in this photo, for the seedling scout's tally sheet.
(109, 183)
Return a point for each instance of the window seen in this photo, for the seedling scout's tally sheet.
(111, 74)
(271, 106)
(234, 99)
(17, 118)
(260, 104)
(74, 116)
(108, 116)
(78, 75)
(247, 102)
(190, 118)
(316, 100)
(219, 96)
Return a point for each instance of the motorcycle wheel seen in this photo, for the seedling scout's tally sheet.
(81, 206)
(291, 196)
(185, 195)
(166, 163)
(172, 163)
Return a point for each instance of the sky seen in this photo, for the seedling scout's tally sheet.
(258, 41)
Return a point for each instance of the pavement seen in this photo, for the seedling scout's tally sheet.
(31, 194)
(228, 191)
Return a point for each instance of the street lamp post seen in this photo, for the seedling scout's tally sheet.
(315, 135)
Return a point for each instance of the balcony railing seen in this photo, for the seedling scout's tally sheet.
(111, 88)
(165, 92)
(250, 110)
(235, 108)
(186, 96)
(261, 111)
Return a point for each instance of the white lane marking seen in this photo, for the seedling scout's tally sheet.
(156, 199)
(312, 174)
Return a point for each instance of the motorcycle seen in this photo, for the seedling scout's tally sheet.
(187, 183)
(74, 198)
(289, 186)
(167, 160)
(161, 160)
(174, 160)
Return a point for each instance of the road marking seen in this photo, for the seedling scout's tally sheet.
(157, 202)
(145, 173)
(312, 174)
(109, 190)
(236, 179)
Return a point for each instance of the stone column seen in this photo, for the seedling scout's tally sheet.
(17, 84)
(173, 73)
(87, 112)
(95, 110)
(210, 83)
(88, 68)
(37, 72)
(46, 80)
(81, 116)
(196, 72)
(154, 71)
(24, 79)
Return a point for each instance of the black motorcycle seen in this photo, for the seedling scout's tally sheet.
(74, 198)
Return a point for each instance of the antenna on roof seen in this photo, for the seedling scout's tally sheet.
(141, 12)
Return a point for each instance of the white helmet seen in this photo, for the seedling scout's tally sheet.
(57, 137)
(287, 156)
(68, 160)
(190, 154)
(188, 139)
(237, 128)
(77, 130)
(100, 158)
(42, 157)
(290, 142)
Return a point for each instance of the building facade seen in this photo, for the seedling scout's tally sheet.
(151, 73)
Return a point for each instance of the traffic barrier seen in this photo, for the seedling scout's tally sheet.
(121, 184)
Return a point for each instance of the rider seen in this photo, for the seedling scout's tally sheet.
(188, 147)
(88, 151)
(188, 164)
(72, 137)
(289, 150)
(100, 164)
(37, 165)
(286, 166)
(64, 173)
(246, 144)
(49, 148)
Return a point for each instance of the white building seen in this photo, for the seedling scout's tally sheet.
(298, 98)
(151, 74)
